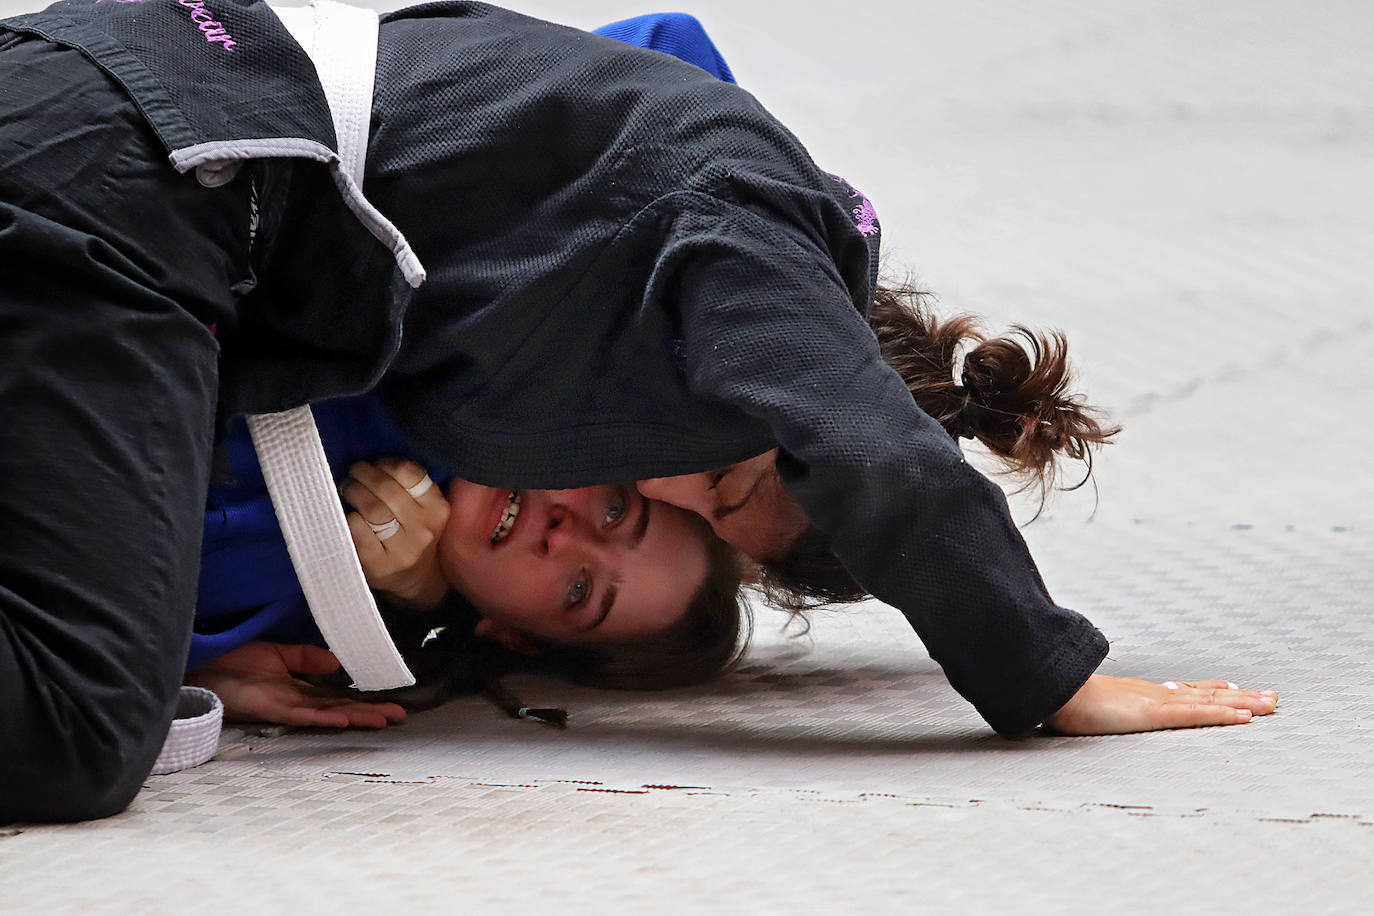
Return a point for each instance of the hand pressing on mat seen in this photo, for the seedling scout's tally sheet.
(400, 515)
(1115, 705)
(258, 682)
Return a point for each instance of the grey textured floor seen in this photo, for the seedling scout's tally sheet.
(1186, 188)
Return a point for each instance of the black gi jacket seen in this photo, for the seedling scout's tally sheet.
(633, 271)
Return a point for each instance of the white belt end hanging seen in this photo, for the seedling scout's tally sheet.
(317, 537)
(342, 42)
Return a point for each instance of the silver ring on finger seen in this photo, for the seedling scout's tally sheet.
(421, 488)
(1171, 685)
(386, 530)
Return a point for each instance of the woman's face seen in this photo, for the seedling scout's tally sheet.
(745, 503)
(593, 565)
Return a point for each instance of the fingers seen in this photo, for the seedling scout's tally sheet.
(1109, 705)
(294, 702)
(1198, 715)
(305, 717)
(305, 711)
(382, 491)
(361, 714)
(1207, 693)
(368, 715)
(405, 472)
(364, 498)
(323, 710)
(404, 561)
(401, 562)
(371, 550)
(416, 482)
(306, 659)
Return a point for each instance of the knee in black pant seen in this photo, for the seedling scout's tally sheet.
(80, 777)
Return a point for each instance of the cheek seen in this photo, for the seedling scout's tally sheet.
(688, 492)
(764, 529)
(498, 584)
(737, 532)
(518, 602)
(447, 549)
(463, 567)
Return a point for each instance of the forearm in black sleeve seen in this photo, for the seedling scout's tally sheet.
(770, 328)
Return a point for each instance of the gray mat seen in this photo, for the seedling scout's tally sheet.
(856, 709)
(1186, 188)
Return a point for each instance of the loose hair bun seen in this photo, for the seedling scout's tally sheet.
(1012, 395)
(1013, 391)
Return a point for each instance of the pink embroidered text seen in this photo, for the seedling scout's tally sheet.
(214, 31)
(865, 217)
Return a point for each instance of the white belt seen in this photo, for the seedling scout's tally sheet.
(194, 735)
(342, 42)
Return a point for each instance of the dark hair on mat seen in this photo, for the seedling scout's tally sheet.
(1012, 395)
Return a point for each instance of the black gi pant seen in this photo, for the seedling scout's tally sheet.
(111, 267)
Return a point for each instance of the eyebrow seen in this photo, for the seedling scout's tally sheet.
(612, 590)
(607, 599)
(643, 524)
(722, 512)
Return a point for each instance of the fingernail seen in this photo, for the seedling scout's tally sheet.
(1269, 693)
(1242, 715)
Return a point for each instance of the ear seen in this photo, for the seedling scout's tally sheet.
(508, 636)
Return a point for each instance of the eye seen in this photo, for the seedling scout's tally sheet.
(577, 592)
(718, 475)
(618, 507)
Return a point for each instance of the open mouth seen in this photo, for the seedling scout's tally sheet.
(507, 523)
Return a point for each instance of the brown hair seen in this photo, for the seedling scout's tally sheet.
(710, 637)
(1012, 395)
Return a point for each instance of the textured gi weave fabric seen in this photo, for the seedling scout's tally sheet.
(678, 288)
(1118, 170)
(342, 42)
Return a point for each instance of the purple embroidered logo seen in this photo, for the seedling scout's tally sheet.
(214, 31)
(865, 217)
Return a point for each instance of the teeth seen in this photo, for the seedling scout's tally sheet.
(507, 522)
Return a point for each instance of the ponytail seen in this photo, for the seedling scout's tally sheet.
(1012, 392)
(1012, 395)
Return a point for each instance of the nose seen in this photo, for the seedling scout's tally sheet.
(566, 530)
